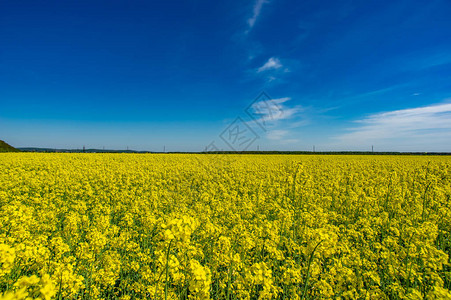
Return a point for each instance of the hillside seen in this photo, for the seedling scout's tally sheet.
(4, 147)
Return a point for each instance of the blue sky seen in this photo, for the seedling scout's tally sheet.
(340, 75)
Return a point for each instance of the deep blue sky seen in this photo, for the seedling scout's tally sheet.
(342, 74)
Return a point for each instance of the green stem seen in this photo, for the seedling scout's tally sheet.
(308, 270)
(167, 272)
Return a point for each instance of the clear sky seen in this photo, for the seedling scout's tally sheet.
(340, 75)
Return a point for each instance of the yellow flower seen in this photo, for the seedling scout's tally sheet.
(27, 281)
(48, 289)
(7, 256)
(198, 226)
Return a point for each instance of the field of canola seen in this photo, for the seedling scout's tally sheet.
(169, 226)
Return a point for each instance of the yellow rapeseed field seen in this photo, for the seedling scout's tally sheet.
(181, 226)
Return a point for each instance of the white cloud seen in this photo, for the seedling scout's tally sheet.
(269, 111)
(271, 78)
(424, 127)
(277, 119)
(272, 63)
(256, 12)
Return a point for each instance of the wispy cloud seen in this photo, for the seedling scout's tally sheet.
(272, 64)
(256, 12)
(269, 112)
(424, 61)
(428, 125)
(340, 100)
(277, 118)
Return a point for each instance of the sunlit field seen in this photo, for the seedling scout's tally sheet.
(170, 226)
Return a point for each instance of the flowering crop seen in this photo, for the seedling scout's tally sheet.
(170, 226)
